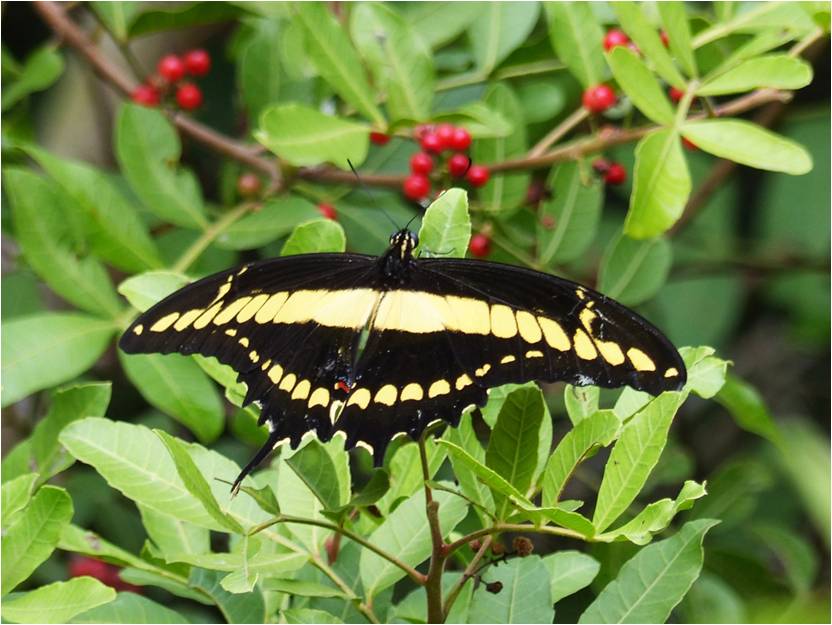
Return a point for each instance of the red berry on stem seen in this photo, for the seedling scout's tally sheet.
(421, 163)
(675, 94)
(480, 245)
(171, 68)
(445, 132)
(188, 97)
(615, 37)
(665, 40)
(616, 174)
(416, 186)
(431, 142)
(458, 164)
(248, 184)
(145, 95)
(599, 98)
(197, 62)
(461, 140)
(478, 175)
(328, 210)
(379, 138)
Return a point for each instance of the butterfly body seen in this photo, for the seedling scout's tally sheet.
(377, 346)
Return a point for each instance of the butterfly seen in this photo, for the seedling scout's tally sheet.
(376, 346)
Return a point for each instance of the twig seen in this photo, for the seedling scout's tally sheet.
(467, 574)
(327, 570)
(194, 251)
(433, 583)
(514, 527)
(559, 131)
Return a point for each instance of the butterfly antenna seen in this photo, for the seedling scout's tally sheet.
(371, 196)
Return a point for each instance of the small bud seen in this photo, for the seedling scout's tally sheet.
(494, 587)
(497, 548)
(522, 546)
(475, 545)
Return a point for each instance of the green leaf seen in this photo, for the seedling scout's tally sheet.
(275, 219)
(148, 150)
(148, 288)
(171, 535)
(596, 430)
(780, 15)
(748, 408)
(464, 437)
(319, 235)
(117, 16)
(68, 405)
(712, 600)
(489, 477)
(633, 457)
(242, 608)
(748, 144)
(506, 192)
(706, 372)
(661, 185)
(580, 401)
(42, 232)
(525, 596)
(373, 490)
(302, 588)
(41, 69)
(113, 226)
(498, 30)
(559, 515)
(308, 615)
(516, 432)
(46, 349)
(576, 38)
(180, 16)
(401, 63)
(656, 516)
(16, 494)
(776, 71)
(256, 559)
(258, 66)
(304, 136)
(406, 534)
(128, 607)
(646, 37)
(478, 119)
(438, 23)
(653, 581)
(675, 21)
(575, 209)
(77, 540)
(633, 271)
(446, 226)
(640, 85)
(33, 536)
(406, 471)
(195, 482)
(177, 386)
(57, 602)
(313, 464)
(336, 60)
(569, 572)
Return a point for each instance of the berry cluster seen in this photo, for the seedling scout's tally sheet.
(171, 70)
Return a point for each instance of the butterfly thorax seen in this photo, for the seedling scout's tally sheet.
(396, 262)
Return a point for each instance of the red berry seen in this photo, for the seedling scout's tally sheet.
(431, 142)
(480, 245)
(379, 138)
(665, 40)
(145, 95)
(328, 210)
(675, 94)
(445, 132)
(171, 68)
(598, 98)
(197, 62)
(458, 164)
(616, 174)
(248, 185)
(461, 140)
(615, 37)
(188, 97)
(416, 186)
(478, 175)
(421, 163)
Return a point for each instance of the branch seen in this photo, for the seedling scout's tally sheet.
(514, 527)
(433, 583)
(467, 574)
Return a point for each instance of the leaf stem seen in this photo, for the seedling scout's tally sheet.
(194, 251)
(467, 574)
(327, 570)
(514, 527)
(558, 132)
(415, 575)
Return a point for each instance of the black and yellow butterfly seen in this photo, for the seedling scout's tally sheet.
(376, 346)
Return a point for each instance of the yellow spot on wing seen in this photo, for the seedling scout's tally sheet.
(505, 360)
(412, 391)
(266, 364)
(386, 395)
(440, 387)
(268, 311)
(463, 381)
(138, 329)
(611, 352)
(640, 360)
(584, 346)
(299, 307)
(250, 309)
(580, 293)
(254, 356)
(224, 288)
(205, 318)
(471, 316)
(231, 332)
(528, 327)
(586, 316)
(482, 370)
(534, 353)
(554, 334)
(243, 341)
(275, 373)
(503, 324)
(230, 311)
(164, 323)
(301, 390)
(360, 397)
(413, 311)
(345, 309)
(187, 319)
(319, 397)
(671, 373)
(288, 382)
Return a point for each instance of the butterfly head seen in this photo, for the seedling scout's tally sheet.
(405, 242)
